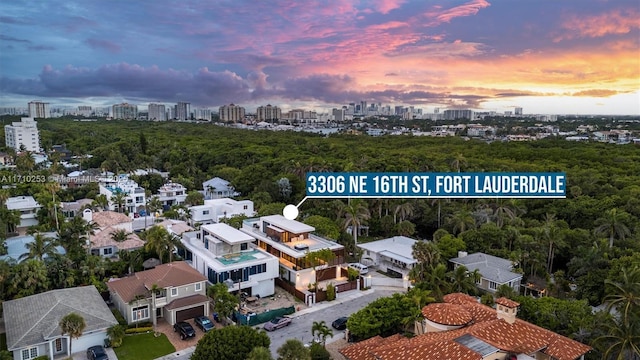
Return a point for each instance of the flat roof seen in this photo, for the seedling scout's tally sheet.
(397, 247)
(228, 233)
(293, 226)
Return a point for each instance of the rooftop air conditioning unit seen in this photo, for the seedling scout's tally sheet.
(301, 247)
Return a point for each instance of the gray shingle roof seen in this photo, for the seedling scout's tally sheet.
(491, 267)
(34, 319)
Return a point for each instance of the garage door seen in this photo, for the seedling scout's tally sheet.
(189, 313)
(84, 342)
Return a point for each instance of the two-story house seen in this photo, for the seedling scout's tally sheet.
(103, 242)
(290, 241)
(227, 255)
(173, 291)
(494, 271)
(134, 195)
(217, 188)
(28, 208)
(171, 194)
(393, 255)
(215, 209)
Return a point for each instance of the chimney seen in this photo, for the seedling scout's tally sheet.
(506, 309)
(87, 215)
(462, 254)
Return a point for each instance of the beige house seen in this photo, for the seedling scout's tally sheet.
(173, 291)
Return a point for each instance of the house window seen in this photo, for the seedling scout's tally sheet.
(30, 353)
(244, 246)
(58, 345)
(245, 207)
(108, 251)
(140, 313)
(493, 285)
(205, 212)
(198, 286)
(174, 291)
(478, 281)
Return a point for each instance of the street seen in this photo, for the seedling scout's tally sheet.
(300, 328)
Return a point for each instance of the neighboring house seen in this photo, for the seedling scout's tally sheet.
(28, 208)
(171, 194)
(108, 222)
(215, 209)
(463, 329)
(393, 255)
(134, 194)
(180, 294)
(5, 159)
(17, 246)
(217, 188)
(175, 227)
(290, 241)
(494, 271)
(32, 322)
(227, 255)
(74, 208)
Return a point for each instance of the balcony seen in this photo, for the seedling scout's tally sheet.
(161, 301)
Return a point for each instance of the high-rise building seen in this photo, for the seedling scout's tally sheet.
(85, 111)
(125, 111)
(269, 112)
(338, 115)
(458, 114)
(157, 112)
(231, 112)
(39, 109)
(518, 111)
(183, 111)
(24, 133)
(202, 114)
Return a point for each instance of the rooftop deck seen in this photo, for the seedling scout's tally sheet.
(241, 257)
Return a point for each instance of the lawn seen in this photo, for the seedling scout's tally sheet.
(144, 347)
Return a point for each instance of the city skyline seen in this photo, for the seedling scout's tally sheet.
(545, 56)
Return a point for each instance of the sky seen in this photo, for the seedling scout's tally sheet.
(546, 56)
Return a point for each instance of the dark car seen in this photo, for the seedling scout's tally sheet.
(96, 353)
(185, 329)
(203, 323)
(340, 323)
(277, 323)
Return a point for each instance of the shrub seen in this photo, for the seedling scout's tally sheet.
(141, 324)
(138, 330)
(331, 292)
(318, 352)
(121, 320)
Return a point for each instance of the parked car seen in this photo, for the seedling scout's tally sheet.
(185, 329)
(204, 323)
(340, 323)
(277, 323)
(363, 269)
(97, 353)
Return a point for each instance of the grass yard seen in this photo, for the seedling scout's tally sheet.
(144, 347)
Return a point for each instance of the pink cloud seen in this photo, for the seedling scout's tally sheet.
(385, 6)
(468, 9)
(615, 22)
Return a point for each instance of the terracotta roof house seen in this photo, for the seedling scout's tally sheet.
(463, 329)
(173, 291)
(495, 271)
(111, 218)
(32, 322)
(109, 222)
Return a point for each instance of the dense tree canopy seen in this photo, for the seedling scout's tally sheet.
(230, 342)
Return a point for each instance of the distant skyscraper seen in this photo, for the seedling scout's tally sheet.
(202, 114)
(183, 111)
(458, 114)
(518, 111)
(38, 109)
(24, 133)
(231, 112)
(125, 111)
(157, 112)
(338, 115)
(268, 113)
(85, 111)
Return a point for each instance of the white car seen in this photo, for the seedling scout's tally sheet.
(363, 269)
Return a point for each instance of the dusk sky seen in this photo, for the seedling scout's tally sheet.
(547, 56)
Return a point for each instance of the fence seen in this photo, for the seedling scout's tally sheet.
(391, 282)
(255, 319)
(291, 289)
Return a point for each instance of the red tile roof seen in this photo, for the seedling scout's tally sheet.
(173, 274)
(446, 314)
(519, 337)
(109, 218)
(507, 302)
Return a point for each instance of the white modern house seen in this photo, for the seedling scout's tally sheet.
(393, 255)
(290, 241)
(134, 194)
(215, 209)
(172, 194)
(216, 188)
(495, 271)
(23, 134)
(226, 255)
(28, 208)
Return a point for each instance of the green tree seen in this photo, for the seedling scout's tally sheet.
(461, 221)
(355, 214)
(324, 226)
(624, 295)
(505, 290)
(40, 247)
(462, 280)
(101, 202)
(158, 240)
(73, 325)
(427, 256)
(230, 343)
(321, 330)
(119, 199)
(450, 245)
(319, 352)
(293, 349)
(29, 277)
(612, 225)
(120, 235)
(260, 353)
(116, 335)
(318, 258)
(194, 198)
(224, 303)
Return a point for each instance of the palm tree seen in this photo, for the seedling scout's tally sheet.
(612, 224)
(132, 258)
(462, 281)
(322, 330)
(458, 162)
(626, 294)
(621, 341)
(158, 240)
(461, 221)
(120, 235)
(100, 202)
(72, 325)
(119, 199)
(403, 211)
(116, 335)
(355, 214)
(40, 248)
